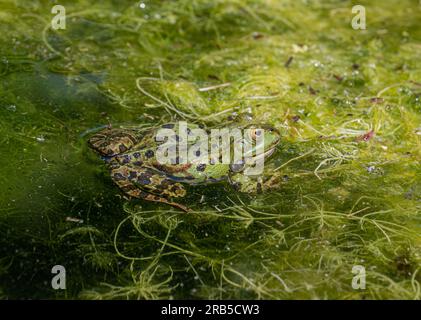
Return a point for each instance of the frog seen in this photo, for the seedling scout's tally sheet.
(132, 158)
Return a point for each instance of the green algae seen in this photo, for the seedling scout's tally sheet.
(338, 200)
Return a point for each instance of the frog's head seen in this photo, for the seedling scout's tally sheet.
(271, 137)
(262, 138)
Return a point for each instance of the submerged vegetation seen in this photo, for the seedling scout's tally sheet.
(347, 182)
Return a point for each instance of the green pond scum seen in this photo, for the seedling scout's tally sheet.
(346, 176)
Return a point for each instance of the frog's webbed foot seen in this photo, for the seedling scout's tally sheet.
(133, 191)
(254, 185)
(137, 193)
(147, 184)
(245, 184)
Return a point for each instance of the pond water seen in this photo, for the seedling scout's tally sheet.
(346, 182)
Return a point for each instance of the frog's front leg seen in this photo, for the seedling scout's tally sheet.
(246, 184)
(147, 184)
(253, 184)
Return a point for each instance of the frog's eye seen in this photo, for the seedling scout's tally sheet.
(254, 133)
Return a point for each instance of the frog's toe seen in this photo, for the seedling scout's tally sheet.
(155, 198)
(180, 206)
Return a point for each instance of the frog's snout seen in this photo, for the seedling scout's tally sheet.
(275, 135)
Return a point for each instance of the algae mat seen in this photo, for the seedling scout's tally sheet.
(347, 173)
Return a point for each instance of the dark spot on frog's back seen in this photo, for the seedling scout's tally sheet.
(201, 167)
(149, 154)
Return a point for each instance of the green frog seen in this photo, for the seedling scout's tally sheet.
(132, 157)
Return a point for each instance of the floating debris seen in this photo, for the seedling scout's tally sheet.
(257, 35)
(76, 220)
(377, 100)
(223, 85)
(366, 136)
(11, 107)
(289, 61)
